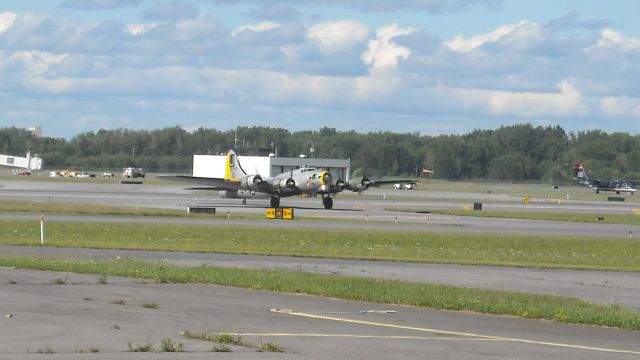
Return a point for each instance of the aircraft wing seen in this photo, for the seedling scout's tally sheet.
(365, 183)
(206, 182)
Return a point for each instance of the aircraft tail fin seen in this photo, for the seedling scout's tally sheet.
(234, 171)
(581, 173)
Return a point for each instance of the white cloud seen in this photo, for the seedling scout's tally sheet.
(338, 36)
(382, 52)
(610, 38)
(567, 102)
(259, 27)
(37, 62)
(621, 106)
(7, 19)
(384, 6)
(522, 29)
(139, 29)
(333, 69)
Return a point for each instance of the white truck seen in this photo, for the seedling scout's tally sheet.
(404, 186)
(131, 172)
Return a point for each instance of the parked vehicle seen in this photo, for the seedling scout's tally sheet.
(404, 186)
(21, 172)
(132, 173)
(84, 175)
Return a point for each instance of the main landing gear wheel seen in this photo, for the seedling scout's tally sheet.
(275, 202)
(327, 202)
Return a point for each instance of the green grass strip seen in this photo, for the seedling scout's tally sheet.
(421, 247)
(568, 310)
(85, 209)
(62, 208)
(94, 180)
(631, 218)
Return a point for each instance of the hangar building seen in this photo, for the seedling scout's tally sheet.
(268, 166)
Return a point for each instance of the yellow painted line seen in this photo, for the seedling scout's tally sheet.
(456, 333)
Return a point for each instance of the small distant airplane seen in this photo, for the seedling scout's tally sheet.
(307, 180)
(616, 185)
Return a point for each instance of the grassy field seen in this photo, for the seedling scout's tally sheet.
(446, 248)
(92, 209)
(59, 208)
(85, 209)
(44, 177)
(380, 291)
(631, 218)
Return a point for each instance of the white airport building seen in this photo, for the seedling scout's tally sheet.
(268, 166)
(28, 162)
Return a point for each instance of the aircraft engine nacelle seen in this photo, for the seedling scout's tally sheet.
(362, 186)
(252, 182)
(340, 185)
(288, 183)
(229, 194)
(327, 178)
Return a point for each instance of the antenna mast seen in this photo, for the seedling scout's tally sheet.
(235, 140)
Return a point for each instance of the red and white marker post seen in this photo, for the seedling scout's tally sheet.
(41, 228)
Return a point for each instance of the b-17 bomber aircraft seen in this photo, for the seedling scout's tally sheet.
(616, 185)
(307, 180)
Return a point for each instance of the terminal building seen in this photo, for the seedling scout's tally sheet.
(268, 166)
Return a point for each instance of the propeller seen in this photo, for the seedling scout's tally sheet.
(326, 178)
(257, 180)
(288, 183)
(360, 186)
(365, 184)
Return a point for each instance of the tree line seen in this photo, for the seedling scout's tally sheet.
(519, 152)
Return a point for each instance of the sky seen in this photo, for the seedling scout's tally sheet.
(427, 66)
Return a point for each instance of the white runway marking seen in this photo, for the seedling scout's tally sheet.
(456, 333)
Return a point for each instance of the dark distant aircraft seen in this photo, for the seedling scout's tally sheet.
(307, 180)
(616, 185)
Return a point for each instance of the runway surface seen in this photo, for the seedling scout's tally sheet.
(373, 210)
(175, 196)
(81, 314)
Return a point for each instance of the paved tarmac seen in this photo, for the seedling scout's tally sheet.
(71, 319)
(175, 196)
